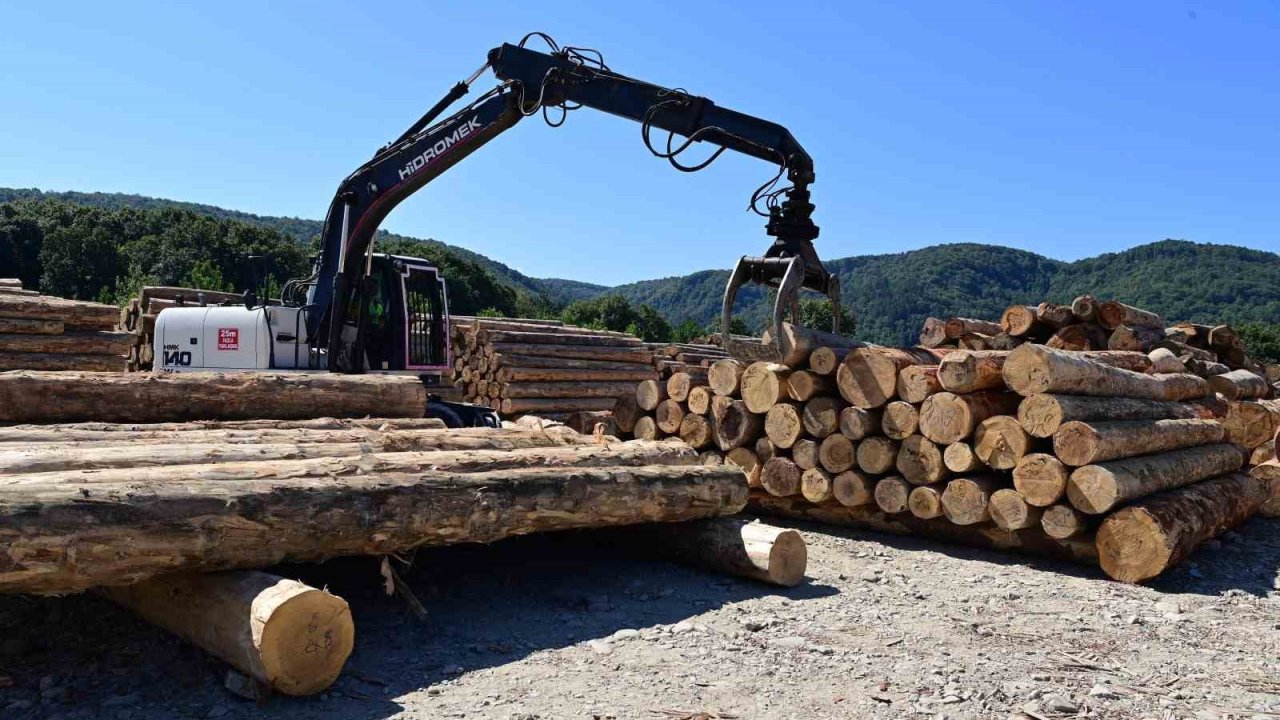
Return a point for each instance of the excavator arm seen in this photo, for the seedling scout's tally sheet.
(565, 80)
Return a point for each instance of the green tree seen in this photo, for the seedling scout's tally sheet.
(651, 326)
(686, 331)
(1263, 340)
(817, 314)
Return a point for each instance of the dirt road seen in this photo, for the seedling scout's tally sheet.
(557, 627)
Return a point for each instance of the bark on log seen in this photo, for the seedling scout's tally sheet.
(748, 461)
(626, 411)
(955, 327)
(136, 397)
(700, 400)
(868, 377)
(821, 416)
(1266, 452)
(650, 393)
(646, 428)
(64, 362)
(1268, 471)
(1163, 361)
(82, 343)
(609, 390)
(1000, 442)
(575, 352)
(959, 457)
(1134, 339)
(803, 385)
(31, 327)
(11, 282)
(920, 461)
(900, 420)
(736, 426)
(1033, 369)
(925, 501)
(891, 494)
(917, 382)
(783, 424)
(805, 454)
(965, 500)
(725, 377)
(1112, 315)
(1141, 541)
(53, 432)
(558, 337)
(1043, 415)
(877, 455)
(1055, 316)
(852, 489)
(679, 385)
(858, 423)
(1085, 308)
(696, 431)
(1029, 542)
(1079, 443)
(669, 414)
(780, 477)
(933, 333)
(511, 406)
(825, 360)
(946, 417)
(797, 342)
(1041, 479)
(970, 371)
(1096, 489)
(735, 546)
(1240, 385)
(558, 375)
(975, 342)
(1081, 336)
(85, 541)
(1250, 423)
(74, 314)
(1009, 511)
(764, 385)
(500, 361)
(815, 485)
(293, 638)
(1062, 521)
(836, 453)
(1021, 321)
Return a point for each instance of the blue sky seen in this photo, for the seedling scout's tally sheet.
(1065, 128)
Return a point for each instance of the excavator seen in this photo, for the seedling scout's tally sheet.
(362, 311)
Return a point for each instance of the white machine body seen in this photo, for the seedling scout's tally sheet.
(230, 338)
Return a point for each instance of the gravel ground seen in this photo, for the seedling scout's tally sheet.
(559, 627)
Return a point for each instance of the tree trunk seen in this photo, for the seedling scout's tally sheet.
(946, 418)
(1078, 443)
(764, 385)
(736, 426)
(815, 485)
(920, 461)
(83, 343)
(700, 400)
(1112, 315)
(1085, 308)
(917, 382)
(857, 423)
(959, 457)
(892, 494)
(626, 411)
(93, 535)
(877, 455)
(31, 327)
(293, 638)
(1164, 362)
(63, 362)
(1265, 452)
(925, 501)
(1062, 521)
(1250, 423)
(975, 341)
(1033, 369)
(821, 416)
(650, 393)
(955, 327)
(1009, 511)
(725, 377)
(797, 342)
(1240, 385)
(932, 334)
(641, 355)
(512, 406)
(557, 337)
(1141, 541)
(1134, 339)
(1055, 316)
(696, 431)
(746, 459)
(780, 477)
(679, 385)
(825, 360)
(803, 385)
(1043, 415)
(900, 420)
(1096, 489)
(669, 415)
(970, 371)
(1021, 321)
(1041, 479)
(730, 545)
(868, 377)
(564, 376)
(501, 361)
(646, 428)
(783, 424)
(136, 397)
(836, 453)
(1000, 442)
(1268, 471)
(852, 489)
(966, 499)
(74, 314)
(609, 390)
(1079, 337)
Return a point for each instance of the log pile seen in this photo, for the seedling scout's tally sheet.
(1054, 452)
(41, 332)
(138, 316)
(545, 368)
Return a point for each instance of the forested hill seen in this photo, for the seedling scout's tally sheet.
(134, 239)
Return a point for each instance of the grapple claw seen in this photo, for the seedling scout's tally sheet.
(788, 276)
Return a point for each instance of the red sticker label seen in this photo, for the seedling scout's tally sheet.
(228, 338)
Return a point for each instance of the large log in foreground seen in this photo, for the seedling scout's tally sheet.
(291, 637)
(119, 533)
(1033, 369)
(1143, 540)
(32, 396)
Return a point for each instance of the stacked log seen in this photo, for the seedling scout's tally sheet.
(545, 368)
(41, 332)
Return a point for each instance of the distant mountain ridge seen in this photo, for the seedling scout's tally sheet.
(892, 294)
